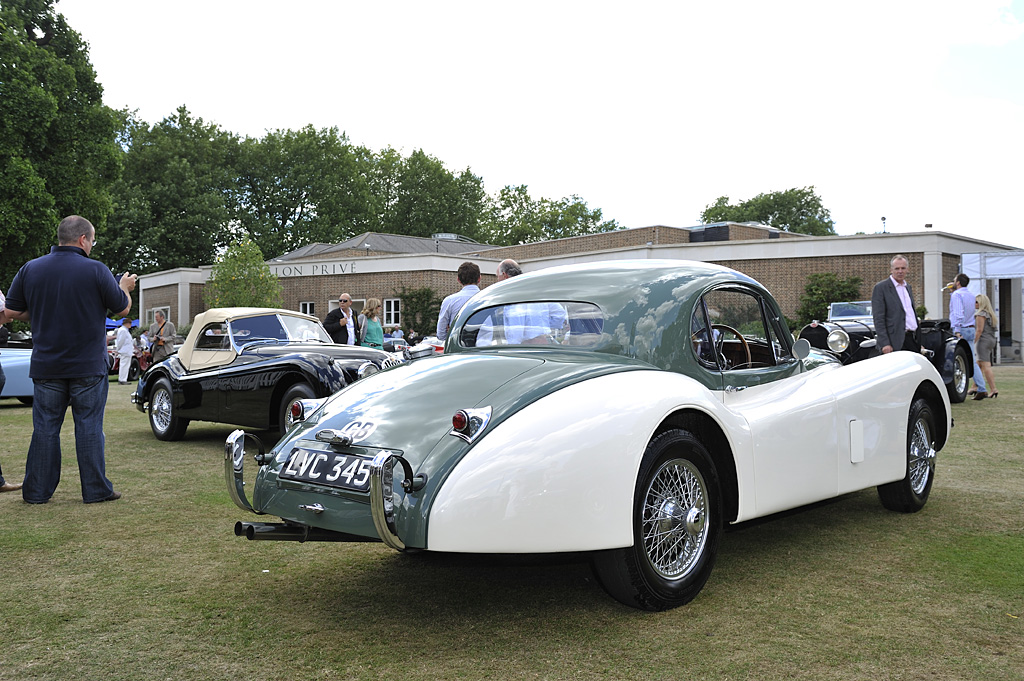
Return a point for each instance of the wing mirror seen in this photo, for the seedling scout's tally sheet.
(801, 349)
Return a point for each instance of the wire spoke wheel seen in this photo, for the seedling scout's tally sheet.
(910, 494)
(675, 527)
(160, 411)
(921, 455)
(165, 423)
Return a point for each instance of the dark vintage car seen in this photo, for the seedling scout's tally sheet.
(248, 366)
(627, 411)
(849, 333)
(140, 362)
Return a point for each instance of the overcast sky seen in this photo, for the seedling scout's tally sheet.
(648, 110)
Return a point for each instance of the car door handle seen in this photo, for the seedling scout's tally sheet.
(734, 389)
(315, 508)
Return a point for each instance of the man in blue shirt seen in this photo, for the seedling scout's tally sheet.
(469, 277)
(961, 322)
(66, 296)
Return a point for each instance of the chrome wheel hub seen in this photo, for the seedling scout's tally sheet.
(960, 374)
(161, 410)
(921, 457)
(674, 522)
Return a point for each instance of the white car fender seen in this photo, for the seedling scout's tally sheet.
(560, 474)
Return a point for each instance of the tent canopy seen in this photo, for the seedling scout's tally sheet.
(112, 324)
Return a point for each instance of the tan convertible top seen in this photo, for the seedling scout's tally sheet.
(223, 314)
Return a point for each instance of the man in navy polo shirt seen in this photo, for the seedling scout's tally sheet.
(66, 296)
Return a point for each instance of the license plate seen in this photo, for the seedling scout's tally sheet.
(346, 471)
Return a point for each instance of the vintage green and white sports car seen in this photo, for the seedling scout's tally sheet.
(625, 409)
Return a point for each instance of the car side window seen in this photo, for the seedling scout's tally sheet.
(739, 330)
(701, 337)
(777, 334)
(213, 337)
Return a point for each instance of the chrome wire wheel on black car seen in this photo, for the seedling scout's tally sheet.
(677, 527)
(910, 494)
(297, 392)
(962, 373)
(165, 424)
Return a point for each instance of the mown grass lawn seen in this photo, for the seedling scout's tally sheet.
(156, 586)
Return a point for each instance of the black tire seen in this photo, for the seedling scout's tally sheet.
(677, 525)
(134, 370)
(962, 372)
(299, 391)
(910, 494)
(165, 423)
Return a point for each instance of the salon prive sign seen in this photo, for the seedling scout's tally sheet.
(313, 269)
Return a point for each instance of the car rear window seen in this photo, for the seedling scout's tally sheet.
(535, 323)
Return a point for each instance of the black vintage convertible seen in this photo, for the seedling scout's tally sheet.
(849, 334)
(247, 367)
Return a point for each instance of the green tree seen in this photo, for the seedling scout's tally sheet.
(430, 199)
(420, 307)
(792, 210)
(516, 218)
(175, 203)
(241, 278)
(821, 289)
(58, 151)
(301, 187)
(572, 217)
(383, 173)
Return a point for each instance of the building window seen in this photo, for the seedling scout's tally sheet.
(307, 308)
(392, 312)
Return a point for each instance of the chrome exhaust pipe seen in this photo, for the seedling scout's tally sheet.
(299, 533)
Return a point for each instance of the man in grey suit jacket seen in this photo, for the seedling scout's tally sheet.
(892, 306)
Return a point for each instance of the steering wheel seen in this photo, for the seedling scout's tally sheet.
(721, 342)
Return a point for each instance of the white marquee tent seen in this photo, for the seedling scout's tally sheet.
(1001, 268)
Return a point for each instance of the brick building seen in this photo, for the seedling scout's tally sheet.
(381, 265)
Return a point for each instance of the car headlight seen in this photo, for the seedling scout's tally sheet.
(838, 340)
(366, 369)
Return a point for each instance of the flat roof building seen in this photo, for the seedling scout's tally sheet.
(374, 265)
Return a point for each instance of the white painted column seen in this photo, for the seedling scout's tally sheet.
(933, 285)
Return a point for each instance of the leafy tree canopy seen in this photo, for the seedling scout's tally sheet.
(823, 288)
(176, 193)
(516, 218)
(173, 206)
(793, 210)
(428, 198)
(302, 187)
(241, 278)
(51, 113)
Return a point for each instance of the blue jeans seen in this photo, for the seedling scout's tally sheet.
(88, 399)
(3, 379)
(979, 381)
